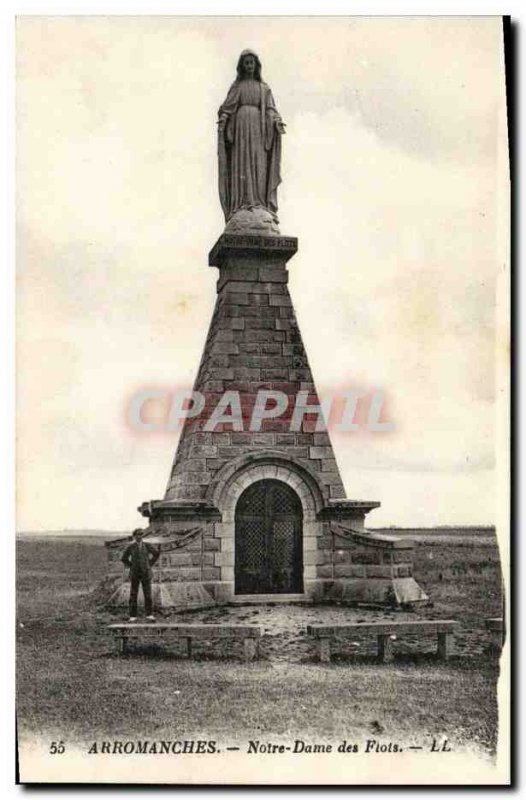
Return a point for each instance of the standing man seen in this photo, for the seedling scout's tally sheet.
(140, 556)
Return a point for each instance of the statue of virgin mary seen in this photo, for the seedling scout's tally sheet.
(249, 150)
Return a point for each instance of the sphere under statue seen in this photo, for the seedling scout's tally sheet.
(249, 151)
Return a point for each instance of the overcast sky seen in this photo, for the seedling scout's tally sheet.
(394, 180)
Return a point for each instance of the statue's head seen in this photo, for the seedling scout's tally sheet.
(249, 66)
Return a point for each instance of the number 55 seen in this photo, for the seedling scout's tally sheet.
(57, 748)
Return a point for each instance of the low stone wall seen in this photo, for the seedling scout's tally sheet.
(339, 565)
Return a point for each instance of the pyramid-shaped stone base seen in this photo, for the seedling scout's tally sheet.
(248, 512)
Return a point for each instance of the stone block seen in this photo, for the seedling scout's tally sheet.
(310, 572)
(269, 471)
(310, 543)
(237, 273)
(259, 438)
(227, 545)
(221, 591)
(258, 335)
(225, 347)
(231, 323)
(366, 555)
(239, 299)
(223, 335)
(304, 438)
(230, 452)
(293, 350)
(211, 574)
(243, 287)
(274, 373)
(274, 361)
(246, 360)
(193, 492)
(324, 571)
(224, 558)
(208, 450)
(273, 274)
(283, 325)
(275, 287)
(271, 348)
(329, 477)
(298, 452)
(223, 437)
(312, 529)
(321, 452)
(194, 545)
(378, 571)
(260, 323)
(213, 464)
(260, 311)
(280, 300)
(258, 299)
(348, 571)
(277, 425)
(217, 360)
(203, 477)
(324, 542)
(189, 574)
(249, 347)
(293, 334)
(210, 543)
(227, 573)
(286, 438)
(221, 374)
(212, 386)
(300, 373)
(311, 557)
(230, 309)
(342, 556)
(200, 437)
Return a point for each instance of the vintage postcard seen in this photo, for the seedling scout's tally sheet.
(262, 400)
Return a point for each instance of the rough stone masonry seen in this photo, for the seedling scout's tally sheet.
(254, 343)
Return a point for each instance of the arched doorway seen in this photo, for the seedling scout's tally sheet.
(268, 545)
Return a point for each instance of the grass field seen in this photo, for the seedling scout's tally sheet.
(72, 685)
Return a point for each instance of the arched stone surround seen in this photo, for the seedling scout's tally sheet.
(225, 493)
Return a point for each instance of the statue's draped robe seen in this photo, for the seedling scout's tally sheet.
(249, 149)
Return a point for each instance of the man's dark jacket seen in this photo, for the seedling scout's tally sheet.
(140, 558)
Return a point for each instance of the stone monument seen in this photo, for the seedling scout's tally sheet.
(259, 515)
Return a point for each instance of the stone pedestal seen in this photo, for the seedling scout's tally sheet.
(253, 345)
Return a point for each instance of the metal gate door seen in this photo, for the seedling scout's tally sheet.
(268, 547)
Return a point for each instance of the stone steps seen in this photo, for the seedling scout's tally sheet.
(247, 599)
